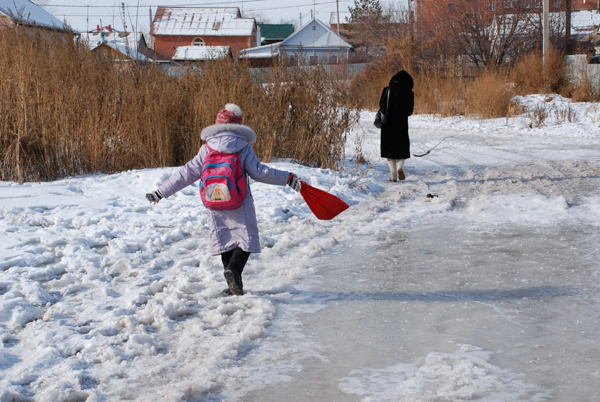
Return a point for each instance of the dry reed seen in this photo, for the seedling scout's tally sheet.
(440, 88)
(66, 111)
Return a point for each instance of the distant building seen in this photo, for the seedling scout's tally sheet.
(119, 45)
(344, 19)
(427, 13)
(24, 12)
(201, 53)
(194, 57)
(196, 26)
(273, 33)
(315, 42)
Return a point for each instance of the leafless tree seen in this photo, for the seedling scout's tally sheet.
(486, 33)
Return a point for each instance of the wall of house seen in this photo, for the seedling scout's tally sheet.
(343, 28)
(584, 4)
(165, 45)
(4, 22)
(318, 56)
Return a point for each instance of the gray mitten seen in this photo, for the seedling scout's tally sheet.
(294, 182)
(154, 196)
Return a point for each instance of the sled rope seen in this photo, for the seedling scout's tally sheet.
(431, 149)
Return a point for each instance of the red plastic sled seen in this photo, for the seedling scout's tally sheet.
(325, 206)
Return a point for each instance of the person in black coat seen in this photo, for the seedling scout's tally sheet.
(395, 144)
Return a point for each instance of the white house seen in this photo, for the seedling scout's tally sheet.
(315, 42)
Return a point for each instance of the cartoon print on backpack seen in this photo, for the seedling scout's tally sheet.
(217, 192)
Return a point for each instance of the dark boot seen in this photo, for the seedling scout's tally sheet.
(234, 282)
(234, 262)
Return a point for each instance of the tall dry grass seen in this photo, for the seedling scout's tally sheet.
(66, 111)
(530, 75)
(441, 90)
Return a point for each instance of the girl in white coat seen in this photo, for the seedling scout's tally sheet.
(233, 232)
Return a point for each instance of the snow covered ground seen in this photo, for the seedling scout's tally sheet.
(476, 278)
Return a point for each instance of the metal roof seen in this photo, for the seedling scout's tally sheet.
(276, 31)
(322, 37)
(30, 14)
(200, 21)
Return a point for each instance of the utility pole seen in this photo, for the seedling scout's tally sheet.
(337, 4)
(568, 27)
(546, 30)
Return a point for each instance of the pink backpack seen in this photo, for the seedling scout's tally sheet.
(222, 182)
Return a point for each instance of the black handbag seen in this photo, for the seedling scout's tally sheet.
(382, 113)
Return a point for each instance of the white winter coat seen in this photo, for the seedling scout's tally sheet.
(235, 227)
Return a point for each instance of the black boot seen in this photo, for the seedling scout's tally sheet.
(234, 262)
(234, 283)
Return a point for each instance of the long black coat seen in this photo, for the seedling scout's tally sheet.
(395, 143)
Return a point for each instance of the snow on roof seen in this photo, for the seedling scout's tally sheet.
(261, 52)
(585, 20)
(29, 13)
(128, 51)
(95, 39)
(197, 21)
(201, 52)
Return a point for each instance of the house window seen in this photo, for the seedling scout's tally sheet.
(450, 7)
(313, 60)
(492, 6)
(293, 60)
(556, 3)
(333, 59)
(508, 4)
(198, 42)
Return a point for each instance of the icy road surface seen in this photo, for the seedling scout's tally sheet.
(448, 314)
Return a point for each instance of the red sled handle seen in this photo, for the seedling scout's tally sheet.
(325, 206)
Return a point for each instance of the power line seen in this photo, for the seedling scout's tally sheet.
(195, 5)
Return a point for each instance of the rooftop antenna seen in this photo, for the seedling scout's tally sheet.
(123, 16)
(545, 33)
(150, 29)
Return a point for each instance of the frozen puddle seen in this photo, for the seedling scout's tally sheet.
(440, 314)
